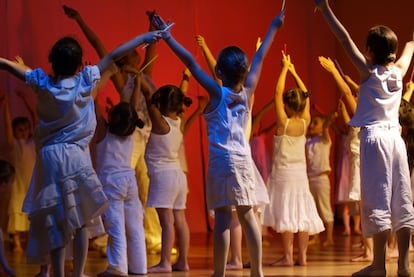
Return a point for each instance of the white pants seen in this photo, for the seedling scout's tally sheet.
(123, 221)
(386, 201)
(320, 187)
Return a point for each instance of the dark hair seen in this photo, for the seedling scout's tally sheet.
(66, 56)
(6, 172)
(123, 120)
(383, 43)
(20, 120)
(170, 98)
(295, 99)
(233, 63)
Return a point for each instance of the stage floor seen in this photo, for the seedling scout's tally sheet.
(330, 261)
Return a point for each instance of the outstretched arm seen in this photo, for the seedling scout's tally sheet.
(126, 47)
(344, 38)
(209, 84)
(409, 88)
(14, 68)
(257, 61)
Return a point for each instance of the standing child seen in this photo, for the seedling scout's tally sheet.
(7, 174)
(230, 177)
(22, 153)
(168, 183)
(65, 193)
(386, 195)
(123, 220)
(318, 150)
(292, 208)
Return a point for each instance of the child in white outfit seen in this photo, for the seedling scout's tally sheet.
(318, 150)
(65, 193)
(292, 208)
(168, 183)
(230, 177)
(386, 199)
(123, 220)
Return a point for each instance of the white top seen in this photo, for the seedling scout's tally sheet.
(65, 108)
(113, 157)
(317, 156)
(161, 152)
(379, 97)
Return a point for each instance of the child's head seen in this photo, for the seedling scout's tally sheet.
(232, 65)
(131, 60)
(66, 57)
(6, 173)
(406, 114)
(295, 101)
(123, 120)
(381, 45)
(316, 125)
(21, 127)
(170, 99)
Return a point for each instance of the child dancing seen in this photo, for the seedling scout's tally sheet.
(386, 200)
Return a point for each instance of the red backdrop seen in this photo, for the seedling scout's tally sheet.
(29, 28)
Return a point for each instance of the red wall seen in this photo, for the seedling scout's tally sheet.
(29, 28)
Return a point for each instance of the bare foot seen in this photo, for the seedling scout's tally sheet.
(392, 253)
(357, 232)
(233, 266)
(327, 243)
(282, 262)
(179, 267)
(301, 263)
(370, 271)
(160, 269)
(362, 258)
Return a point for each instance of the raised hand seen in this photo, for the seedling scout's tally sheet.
(70, 12)
(200, 40)
(327, 63)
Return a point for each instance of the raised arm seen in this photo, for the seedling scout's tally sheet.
(202, 103)
(345, 90)
(4, 101)
(344, 38)
(126, 47)
(209, 84)
(409, 88)
(257, 118)
(208, 56)
(257, 61)
(281, 115)
(150, 54)
(301, 86)
(326, 125)
(405, 59)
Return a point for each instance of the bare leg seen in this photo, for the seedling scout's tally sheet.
(287, 259)
(235, 262)
(377, 268)
(17, 243)
(221, 233)
(253, 235)
(80, 251)
(183, 240)
(367, 256)
(166, 218)
(303, 238)
(57, 257)
(329, 234)
(346, 220)
(403, 239)
(9, 271)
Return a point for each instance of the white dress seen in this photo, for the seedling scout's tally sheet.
(292, 207)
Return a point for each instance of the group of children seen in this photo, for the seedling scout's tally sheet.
(66, 193)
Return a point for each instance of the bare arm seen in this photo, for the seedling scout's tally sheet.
(344, 38)
(405, 59)
(301, 86)
(326, 124)
(4, 100)
(345, 90)
(202, 102)
(14, 68)
(126, 47)
(258, 116)
(409, 88)
(281, 115)
(257, 61)
(210, 59)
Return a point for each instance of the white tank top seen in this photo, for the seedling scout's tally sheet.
(317, 156)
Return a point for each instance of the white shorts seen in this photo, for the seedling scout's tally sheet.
(168, 189)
